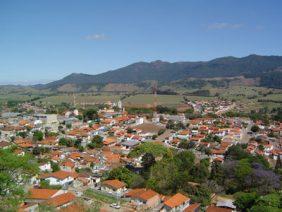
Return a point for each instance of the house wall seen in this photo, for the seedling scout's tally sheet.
(45, 167)
(55, 181)
(176, 209)
(154, 201)
(119, 191)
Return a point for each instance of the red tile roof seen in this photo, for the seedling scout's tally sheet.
(148, 194)
(141, 193)
(68, 163)
(43, 194)
(217, 209)
(59, 175)
(192, 208)
(176, 200)
(61, 200)
(110, 140)
(116, 184)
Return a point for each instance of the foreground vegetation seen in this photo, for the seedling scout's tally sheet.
(248, 178)
(15, 172)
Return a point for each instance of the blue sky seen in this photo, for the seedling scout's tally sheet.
(41, 41)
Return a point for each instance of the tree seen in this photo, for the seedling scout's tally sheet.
(77, 143)
(66, 142)
(261, 147)
(90, 114)
(268, 203)
(97, 142)
(254, 128)
(163, 177)
(36, 151)
(212, 138)
(161, 131)
(163, 109)
(217, 173)
(244, 201)
(129, 130)
(184, 160)
(45, 184)
(200, 193)
(189, 111)
(44, 208)
(257, 208)
(55, 167)
(167, 175)
(187, 144)
(278, 166)
(262, 180)
(200, 172)
(170, 124)
(22, 134)
(68, 126)
(81, 148)
(15, 172)
(38, 135)
(131, 179)
(179, 126)
(243, 169)
(236, 152)
(155, 149)
(148, 160)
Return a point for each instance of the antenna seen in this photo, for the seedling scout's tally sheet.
(155, 85)
(74, 100)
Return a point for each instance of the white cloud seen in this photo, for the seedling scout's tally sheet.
(224, 25)
(96, 37)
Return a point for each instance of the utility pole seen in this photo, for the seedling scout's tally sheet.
(74, 100)
(155, 85)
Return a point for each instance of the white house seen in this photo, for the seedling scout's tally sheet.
(139, 121)
(114, 187)
(177, 202)
(47, 120)
(45, 167)
(60, 177)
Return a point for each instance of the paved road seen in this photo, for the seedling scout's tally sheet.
(164, 135)
(245, 137)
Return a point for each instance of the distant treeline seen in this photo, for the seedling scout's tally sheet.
(166, 92)
(270, 100)
(132, 110)
(199, 83)
(205, 93)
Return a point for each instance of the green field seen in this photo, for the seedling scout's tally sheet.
(148, 100)
(80, 99)
(248, 97)
(99, 196)
(16, 97)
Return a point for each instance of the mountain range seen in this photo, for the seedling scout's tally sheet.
(268, 69)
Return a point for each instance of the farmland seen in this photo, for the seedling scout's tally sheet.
(80, 99)
(148, 100)
(248, 97)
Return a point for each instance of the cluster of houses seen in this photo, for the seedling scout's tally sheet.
(80, 169)
(212, 106)
(229, 131)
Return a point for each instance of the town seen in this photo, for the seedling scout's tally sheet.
(140, 106)
(196, 157)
